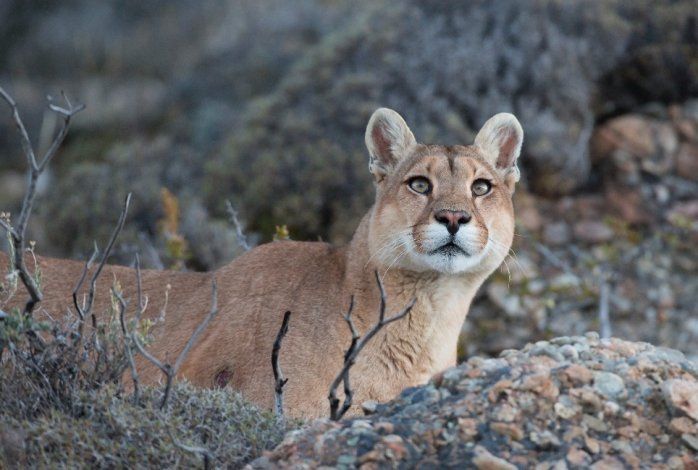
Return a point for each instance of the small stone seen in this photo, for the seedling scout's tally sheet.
(682, 395)
(345, 459)
(542, 385)
(594, 423)
(687, 161)
(608, 463)
(468, 427)
(578, 374)
(690, 440)
(506, 429)
(544, 440)
(569, 352)
(683, 425)
(564, 281)
(608, 384)
(396, 445)
(484, 460)
(565, 412)
(576, 456)
(611, 408)
(384, 427)
(505, 413)
(592, 445)
(592, 231)
(498, 390)
(369, 407)
(556, 233)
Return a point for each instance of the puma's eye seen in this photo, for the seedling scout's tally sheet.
(420, 185)
(481, 187)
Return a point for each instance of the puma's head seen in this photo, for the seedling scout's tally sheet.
(442, 208)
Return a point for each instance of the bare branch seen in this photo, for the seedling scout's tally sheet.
(356, 346)
(87, 307)
(279, 380)
(26, 143)
(127, 344)
(81, 280)
(239, 232)
(166, 368)
(34, 171)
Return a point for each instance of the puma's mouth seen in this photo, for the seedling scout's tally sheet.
(450, 249)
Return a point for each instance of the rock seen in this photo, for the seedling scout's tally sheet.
(483, 460)
(500, 294)
(595, 410)
(650, 142)
(631, 133)
(682, 396)
(691, 441)
(608, 384)
(556, 233)
(578, 374)
(369, 407)
(687, 161)
(683, 425)
(592, 231)
(684, 214)
(628, 204)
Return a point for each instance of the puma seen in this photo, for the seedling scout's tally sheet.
(441, 223)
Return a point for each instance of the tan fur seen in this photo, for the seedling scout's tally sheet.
(315, 281)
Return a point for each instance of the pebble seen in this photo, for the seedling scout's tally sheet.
(484, 460)
(608, 384)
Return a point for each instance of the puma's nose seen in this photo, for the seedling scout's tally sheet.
(452, 219)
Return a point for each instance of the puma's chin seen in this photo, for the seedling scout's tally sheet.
(451, 258)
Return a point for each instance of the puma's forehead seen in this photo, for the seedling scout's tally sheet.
(443, 161)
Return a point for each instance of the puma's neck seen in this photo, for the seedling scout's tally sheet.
(423, 342)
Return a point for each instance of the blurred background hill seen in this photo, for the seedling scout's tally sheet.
(192, 102)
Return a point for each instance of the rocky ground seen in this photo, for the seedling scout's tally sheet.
(624, 245)
(571, 402)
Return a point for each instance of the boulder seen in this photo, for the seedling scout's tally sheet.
(569, 402)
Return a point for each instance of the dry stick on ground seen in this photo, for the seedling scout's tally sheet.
(170, 370)
(279, 380)
(35, 169)
(357, 344)
(239, 232)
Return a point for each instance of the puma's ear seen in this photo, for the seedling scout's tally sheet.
(388, 140)
(500, 140)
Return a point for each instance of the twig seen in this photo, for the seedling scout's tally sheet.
(127, 344)
(87, 308)
(81, 280)
(279, 380)
(205, 453)
(169, 370)
(35, 169)
(239, 232)
(357, 344)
